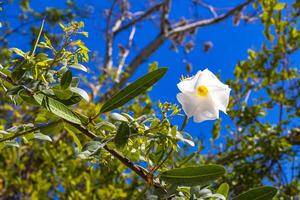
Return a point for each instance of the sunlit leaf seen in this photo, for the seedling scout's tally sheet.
(41, 136)
(260, 193)
(133, 90)
(66, 80)
(122, 135)
(223, 189)
(79, 67)
(118, 117)
(81, 92)
(57, 108)
(190, 176)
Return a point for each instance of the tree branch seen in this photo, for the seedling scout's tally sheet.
(135, 63)
(207, 22)
(108, 62)
(140, 18)
(164, 19)
(6, 78)
(209, 7)
(160, 39)
(124, 51)
(138, 170)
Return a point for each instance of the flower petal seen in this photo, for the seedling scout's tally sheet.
(206, 110)
(189, 103)
(208, 79)
(220, 97)
(188, 84)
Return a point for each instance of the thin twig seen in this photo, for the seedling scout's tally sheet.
(210, 8)
(26, 132)
(124, 53)
(185, 121)
(208, 22)
(108, 62)
(140, 18)
(162, 162)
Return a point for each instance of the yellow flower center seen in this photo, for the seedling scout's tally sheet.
(202, 90)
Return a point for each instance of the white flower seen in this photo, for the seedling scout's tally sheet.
(203, 95)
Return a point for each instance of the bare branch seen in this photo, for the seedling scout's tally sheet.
(135, 63)
(164, 19)
(143, 55)
(140, 18)
(124, 53)
(210, 8)
(108, 62)
(161, 38)
(207, 22)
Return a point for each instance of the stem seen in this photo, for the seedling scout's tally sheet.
(137, 169)
(162, 162)
(184, 123)
(27, 132)
(6, 78)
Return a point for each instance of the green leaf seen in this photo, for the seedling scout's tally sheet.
(57, 108)
(73, 132)
(51, 128)
(66, 80)
(71, 101)
(14, 90)
(223, 189)
(79, 67)
(18, 52)
(133, 90)
(12, 144)
(279, 6)
(260, 193)
(62, 94)
(41, 136)
(180, 137)
(17, 74)
(190, 176)
(122, 135)
(105, 125)
(4, 132)
(118, 117)
(81, 92)
(27, 98)
(90, 149)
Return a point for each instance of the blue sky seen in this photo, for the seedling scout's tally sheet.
(230, 46)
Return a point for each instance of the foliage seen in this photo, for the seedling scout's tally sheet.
(59, 139)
